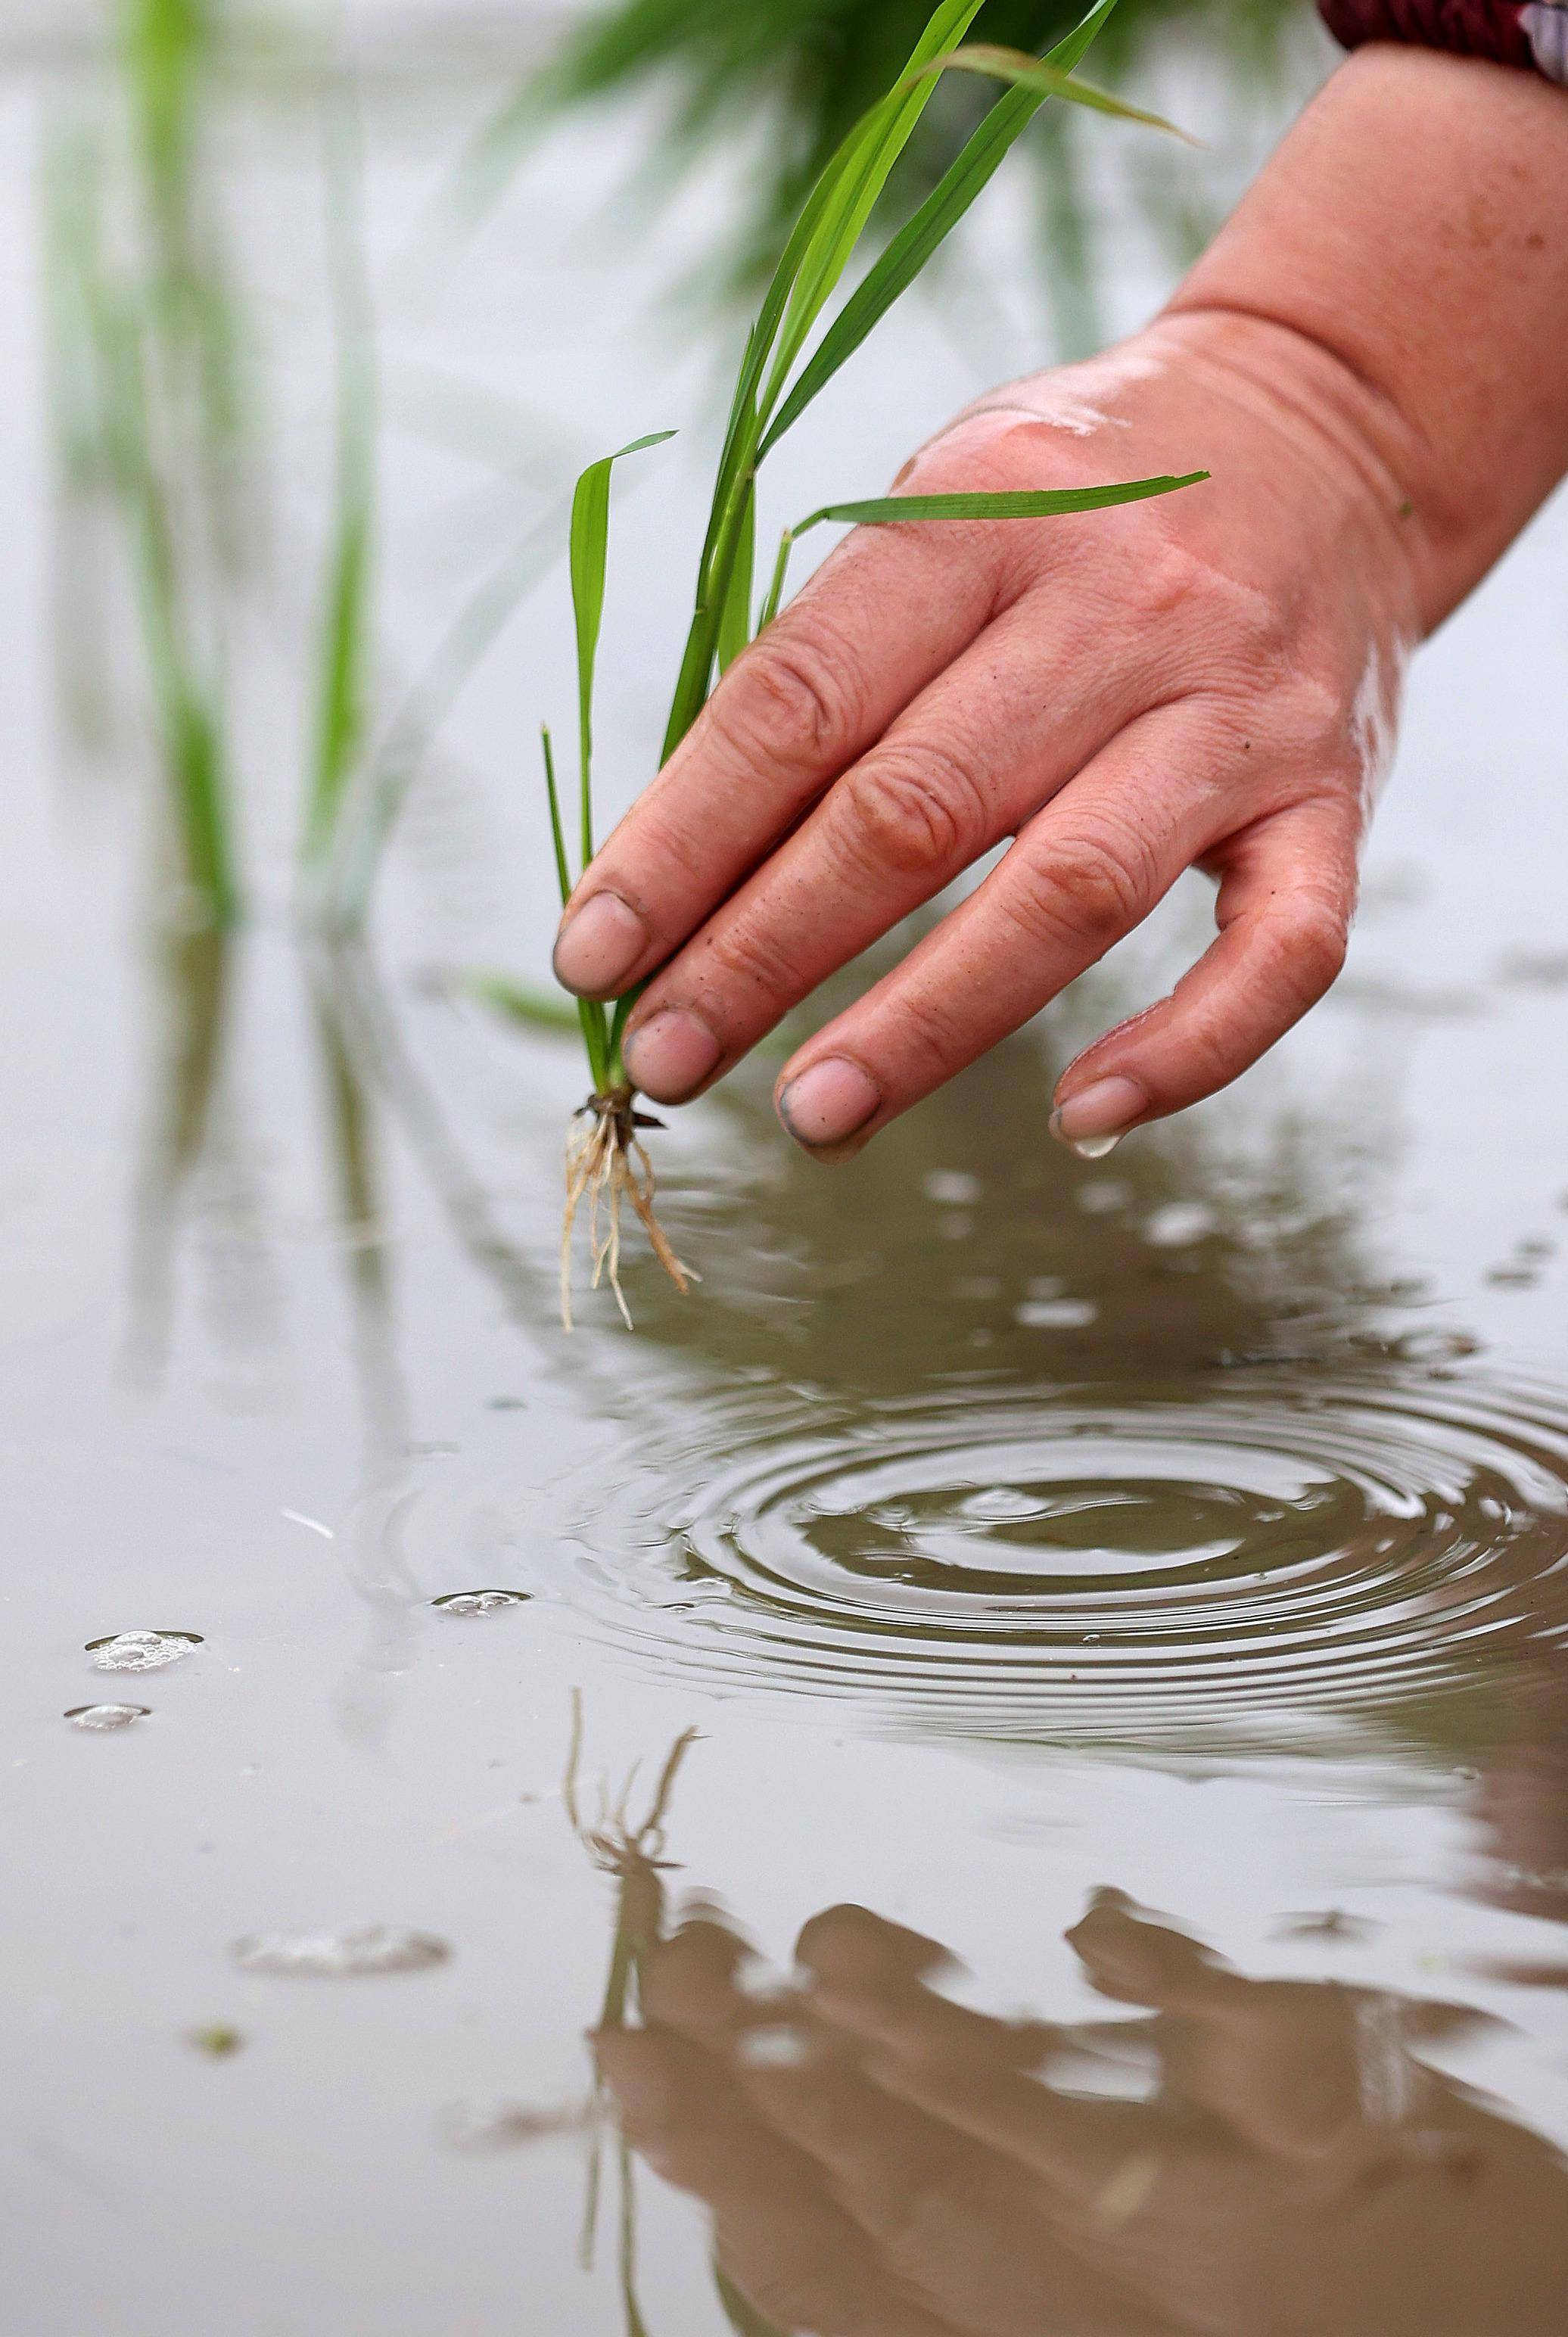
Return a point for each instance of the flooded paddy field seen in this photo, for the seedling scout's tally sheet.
(1030, 1715)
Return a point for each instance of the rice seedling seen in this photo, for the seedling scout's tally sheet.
(785, 367)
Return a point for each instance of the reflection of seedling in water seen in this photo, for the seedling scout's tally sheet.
(607, 1164)
(634, 1856)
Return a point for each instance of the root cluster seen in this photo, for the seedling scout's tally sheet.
(607, 1165)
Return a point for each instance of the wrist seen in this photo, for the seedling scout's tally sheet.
(1344, 442)
(1406, 244)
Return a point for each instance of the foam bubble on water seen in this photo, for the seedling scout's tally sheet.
(340, 1955)
(100, 1719)
(478, 1602)
(141, 1651)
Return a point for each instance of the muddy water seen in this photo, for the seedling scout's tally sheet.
(1030, 1714)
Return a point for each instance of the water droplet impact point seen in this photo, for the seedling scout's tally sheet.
(478, 1602)
(99, 1719)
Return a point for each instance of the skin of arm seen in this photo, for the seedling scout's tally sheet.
(1372, 361)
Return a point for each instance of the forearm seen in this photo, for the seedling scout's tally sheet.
(1412, 233)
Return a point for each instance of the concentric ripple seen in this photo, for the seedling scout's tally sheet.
(1174, 1561)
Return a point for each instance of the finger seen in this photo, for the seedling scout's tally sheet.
(679, 2107)
(870, 1980)
(1081, 874)
(980, 750)
(692, 1983)
(851, 1947)
(879, 2154)
(869, 1976)
(1284, 2063)
(883, 617)
(1138, 1958)
(968, 2232)
(1080, 2148)
(1287, 898)
(788, 2245)
(695, 1985)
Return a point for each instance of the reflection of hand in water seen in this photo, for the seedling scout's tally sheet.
(883, 2163)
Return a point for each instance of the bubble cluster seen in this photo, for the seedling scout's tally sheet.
(339, 1955)
(141, 1651)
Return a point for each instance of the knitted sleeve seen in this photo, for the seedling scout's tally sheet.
(1530, 32)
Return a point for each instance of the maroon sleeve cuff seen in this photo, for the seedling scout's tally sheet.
(1529, 32)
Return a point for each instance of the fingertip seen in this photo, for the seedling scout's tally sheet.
(828, 1106)
(600, 947)
(1092, 1119)
(671, 1055)
(1129, 1955)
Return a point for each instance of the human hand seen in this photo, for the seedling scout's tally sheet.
(1207, 679)
(882, 2162)
(1370, 360)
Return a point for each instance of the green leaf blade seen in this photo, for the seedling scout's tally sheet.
(815, 256)
(922, 236)
(1026, 502)
(735, 617)
(557, 831)
(590, 558)
(862, 170)
(1040, 74)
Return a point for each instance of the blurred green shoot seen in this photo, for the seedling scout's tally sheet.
(801, 71)
(147, 402)
(347, 607)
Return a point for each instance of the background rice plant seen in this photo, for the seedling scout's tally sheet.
(148, 405)
(810, 68)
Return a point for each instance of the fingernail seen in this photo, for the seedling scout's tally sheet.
(599, 945)
(1092, 1122)
(671, 1054)
(830, 1102)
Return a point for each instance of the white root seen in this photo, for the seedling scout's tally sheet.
(608, 1165)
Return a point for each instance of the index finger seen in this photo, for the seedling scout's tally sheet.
(889, 611)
